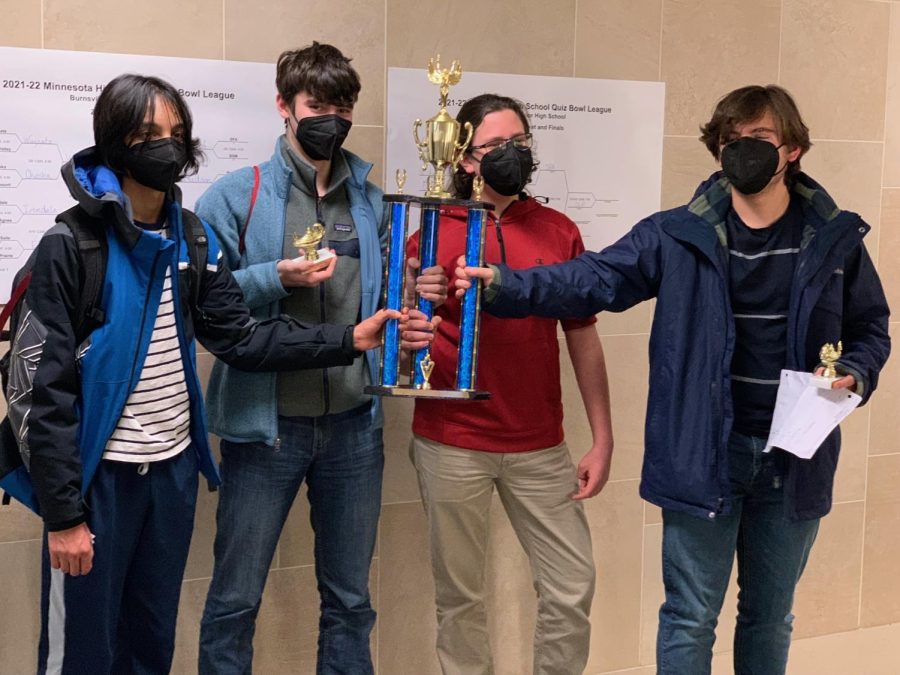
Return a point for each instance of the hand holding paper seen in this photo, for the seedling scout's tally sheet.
(805, 414)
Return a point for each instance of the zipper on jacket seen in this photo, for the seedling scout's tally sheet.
(499, 232)
(325, 385)
(793, 323)
(720, 506)
(722, 393)
(144, 314)
(717, 396)
(326, 389)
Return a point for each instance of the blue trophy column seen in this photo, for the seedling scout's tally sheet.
(395, 273)
(428, 243)
(470, 319)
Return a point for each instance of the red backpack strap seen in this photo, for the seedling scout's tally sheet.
(250, 210)
(17, 294)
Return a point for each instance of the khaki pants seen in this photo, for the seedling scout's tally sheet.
(534, 487)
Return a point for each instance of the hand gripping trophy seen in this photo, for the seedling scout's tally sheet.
(828, 358)
(443, 148)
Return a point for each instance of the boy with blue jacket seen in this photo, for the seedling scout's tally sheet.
(110, 428)
(755, 274)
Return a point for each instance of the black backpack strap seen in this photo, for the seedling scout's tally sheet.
(198, 249)
(93, 252)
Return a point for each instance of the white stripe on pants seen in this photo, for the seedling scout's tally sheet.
(56, 623)
(534, 488)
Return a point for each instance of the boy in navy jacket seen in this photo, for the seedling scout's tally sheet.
(754, 275)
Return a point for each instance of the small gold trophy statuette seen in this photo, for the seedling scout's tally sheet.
(828, 356)
(477, 188)
(308, 245)
(427, 365)
(309, 242)
(401, 180)
(443, 146)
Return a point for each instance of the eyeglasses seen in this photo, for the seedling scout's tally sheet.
(521, 142)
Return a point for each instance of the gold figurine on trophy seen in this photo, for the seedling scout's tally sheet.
(477, 188)
(443, 146)
(308, 245)
(828, 356)
(427, 365)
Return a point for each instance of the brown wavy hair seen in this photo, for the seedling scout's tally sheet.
(320, 70)
(750, 103)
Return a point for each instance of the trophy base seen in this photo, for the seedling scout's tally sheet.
(406, 391)
(821, 382)
(322, 261)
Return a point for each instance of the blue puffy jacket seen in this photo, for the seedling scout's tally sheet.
(679, 257)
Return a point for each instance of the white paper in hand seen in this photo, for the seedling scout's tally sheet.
(805, 415)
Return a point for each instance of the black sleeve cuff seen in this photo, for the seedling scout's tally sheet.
(58, 526)
(347, 344)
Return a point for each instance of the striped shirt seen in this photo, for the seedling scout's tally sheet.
(761, 266)
(155, 423)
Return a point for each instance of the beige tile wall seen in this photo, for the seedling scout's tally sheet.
(841, 58)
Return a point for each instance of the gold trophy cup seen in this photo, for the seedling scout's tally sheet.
(443, 146)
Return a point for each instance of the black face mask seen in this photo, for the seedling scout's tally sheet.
(156, 164)
(750, 163)
(507, 169)
(321, 136)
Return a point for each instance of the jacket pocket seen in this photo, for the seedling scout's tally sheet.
(346, 247)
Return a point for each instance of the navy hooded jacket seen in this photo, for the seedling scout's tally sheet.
(680, 258)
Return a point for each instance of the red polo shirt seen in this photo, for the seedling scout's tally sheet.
(518, 359)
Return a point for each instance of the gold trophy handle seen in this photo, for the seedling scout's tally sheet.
(461, 147)
(421, 146)
(419, 143)
(469, 131)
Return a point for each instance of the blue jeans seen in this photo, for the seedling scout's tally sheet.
(341, 458)
(698, 555)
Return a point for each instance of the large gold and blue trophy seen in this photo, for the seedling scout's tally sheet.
(443, 148)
